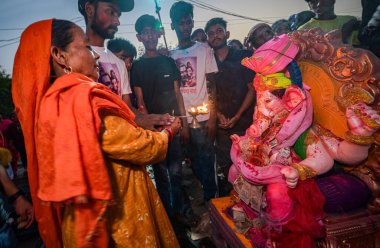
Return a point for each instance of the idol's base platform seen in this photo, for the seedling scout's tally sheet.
(353, 230)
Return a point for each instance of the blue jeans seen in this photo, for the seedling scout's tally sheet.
(168, 177)
(202, 155)
(7, 235)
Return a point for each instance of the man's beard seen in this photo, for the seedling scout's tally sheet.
(221, 45)
(102, 32)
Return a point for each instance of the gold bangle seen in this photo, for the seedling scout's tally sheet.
(304, 171)
(368, 121)
(360, 140)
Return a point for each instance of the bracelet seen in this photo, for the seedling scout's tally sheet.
(16, 195)
(368, 121)
(360, 140)
(170, 133)
(305, 172)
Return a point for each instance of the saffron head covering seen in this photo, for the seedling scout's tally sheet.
(31, 72)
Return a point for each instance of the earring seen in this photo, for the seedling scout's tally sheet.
(68, 70)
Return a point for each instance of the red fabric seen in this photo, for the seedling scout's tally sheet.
(280, 205)
(308, 213)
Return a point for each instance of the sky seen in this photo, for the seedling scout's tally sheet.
(16, 15)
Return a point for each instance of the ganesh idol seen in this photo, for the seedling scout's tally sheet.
(282, 168)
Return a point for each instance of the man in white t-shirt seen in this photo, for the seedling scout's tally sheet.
(102, 20)
(112, 72)
(197, 87)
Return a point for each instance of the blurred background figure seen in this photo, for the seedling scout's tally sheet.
(258, 35)
(235, 44)
(326, 19)
(124, 50)
(16, 212)
(4, 124)
(300, 18)
(199, 35)
(15, 139)
(281, 27)
(369, 35)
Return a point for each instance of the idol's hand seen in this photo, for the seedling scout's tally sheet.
(291, 176)
(362, 119)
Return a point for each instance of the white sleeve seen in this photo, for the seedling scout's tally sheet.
(211, 65)
(125, 84)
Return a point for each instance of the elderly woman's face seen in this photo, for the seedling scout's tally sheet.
(81, 58)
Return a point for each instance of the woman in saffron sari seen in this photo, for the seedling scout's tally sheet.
(86, 155)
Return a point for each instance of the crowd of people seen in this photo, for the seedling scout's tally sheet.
(93, 116)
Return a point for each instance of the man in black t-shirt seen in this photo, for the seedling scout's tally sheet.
(156, 83)
(235, 96)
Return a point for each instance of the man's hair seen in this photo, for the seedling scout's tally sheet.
(120, 44)
(195, 32)
(180, 10)
(251, 37)
(146, 21)
(278, 23)
(214, 21)
(230, 42)
(82, 7)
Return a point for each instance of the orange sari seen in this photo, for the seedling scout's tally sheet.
(62, 128)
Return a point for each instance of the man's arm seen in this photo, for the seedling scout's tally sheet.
(22, 207)
(185, 134)
(127, 99)
(140, 100)
(211, 90)
(148, 121)
(248, 101)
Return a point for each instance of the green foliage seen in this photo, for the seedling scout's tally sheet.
(6, 103)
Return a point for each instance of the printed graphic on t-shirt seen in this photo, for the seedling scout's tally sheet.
(109, 76)
(188, 69)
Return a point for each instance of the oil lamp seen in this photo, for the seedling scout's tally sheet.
(197, 110)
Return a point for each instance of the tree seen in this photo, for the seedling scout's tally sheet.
(6, 103)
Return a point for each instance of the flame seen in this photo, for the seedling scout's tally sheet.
(201, 109)
(193, 110)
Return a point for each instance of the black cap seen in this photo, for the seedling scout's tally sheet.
(125, 5)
